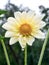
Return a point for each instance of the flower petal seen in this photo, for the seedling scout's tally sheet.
(40, 24)
(11, 19)
(39, 16)
(31, 14)
(39, 34)
(30, 40)
(7, 26)
(17, 14)
(13, 40)
(22, 41)
(11, 34)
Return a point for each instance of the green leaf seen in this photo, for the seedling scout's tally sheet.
(3, 12)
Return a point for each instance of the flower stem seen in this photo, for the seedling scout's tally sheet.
(25, 55)
(5, 51)
(43, 49)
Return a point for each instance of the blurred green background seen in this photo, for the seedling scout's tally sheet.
(16, 55)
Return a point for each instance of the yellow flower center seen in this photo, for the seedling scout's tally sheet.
(25, 29)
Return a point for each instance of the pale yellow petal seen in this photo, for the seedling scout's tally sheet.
(17, 15)
(37, 20)
(38, 34)
(38, 24)
(41, 24)
(11, 34)
(11, 19)
(24, 14)
(7, 26)
(13, 40)
(30, 40)
(39, 17)
(31, 14)
(22, 42)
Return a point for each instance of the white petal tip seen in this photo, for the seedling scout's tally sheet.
(22, 49)
(3, 26)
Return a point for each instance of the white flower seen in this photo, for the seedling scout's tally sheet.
(25, 27)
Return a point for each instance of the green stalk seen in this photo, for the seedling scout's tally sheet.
(25, 55)
(5, 51)
(43, 49)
